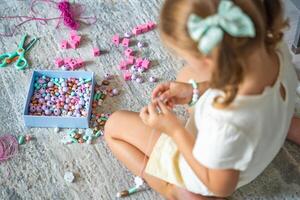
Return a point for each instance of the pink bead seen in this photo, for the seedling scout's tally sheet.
(127, 76)
(67, 60)
(130, 60)
(151, 25)
(138, 62)
(144, 28)
(64, 44)
(59, 62)
(123, 63)
(146, 64)
(74, 44)
(125, 42)
(96, 52)
(28, 138)
(76, 38)
(137, 31)
(80, 62)
(195, 91)
(116, 39)
(73, 33)
(73, 64)
(128, 52)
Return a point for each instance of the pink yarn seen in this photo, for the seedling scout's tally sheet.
(66, 13)
(70, 15)
(8, 147)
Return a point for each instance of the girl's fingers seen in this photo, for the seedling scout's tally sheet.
(163, 107)
(170, 104)
(159, 89)
(152, 109)
(144, 113)
(165, 96)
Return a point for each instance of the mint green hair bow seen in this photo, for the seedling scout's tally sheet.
(209, 32)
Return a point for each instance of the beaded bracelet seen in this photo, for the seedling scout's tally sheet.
(196, 93)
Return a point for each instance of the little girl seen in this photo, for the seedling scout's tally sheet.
(240, 84)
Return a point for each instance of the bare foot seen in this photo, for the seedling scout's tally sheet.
(183, 194)
(294, 132)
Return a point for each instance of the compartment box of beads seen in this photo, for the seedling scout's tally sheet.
(59, 99)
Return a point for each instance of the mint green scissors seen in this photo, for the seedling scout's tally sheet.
(18, 55)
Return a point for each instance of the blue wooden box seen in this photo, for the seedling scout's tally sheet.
(59, 121)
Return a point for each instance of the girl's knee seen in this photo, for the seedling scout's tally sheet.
(110, 127)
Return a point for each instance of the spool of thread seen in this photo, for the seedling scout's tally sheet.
(8, 146)
(70, 15)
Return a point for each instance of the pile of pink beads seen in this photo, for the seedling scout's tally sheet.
(133, 66)
(60, 97)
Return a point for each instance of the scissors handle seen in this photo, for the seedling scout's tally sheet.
(21, 63)
(6, 58)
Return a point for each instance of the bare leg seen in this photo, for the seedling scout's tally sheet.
(129, 140)
(294, 132)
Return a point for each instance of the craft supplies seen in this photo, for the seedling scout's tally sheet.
(140, 44)
(127, 35)
(21, 139)
(60, 96)
(8, 147)
(18, 55)
(96, 52)
(70, 16)
(59, 99)
(116, 40)
(69, 177)
(139, 80)
(152, 79)
(28, 138)
(69, 63)
(126, 42)
(143, 28)
(74, 136)
(73, 42)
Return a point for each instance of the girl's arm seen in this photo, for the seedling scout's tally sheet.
(220, 182)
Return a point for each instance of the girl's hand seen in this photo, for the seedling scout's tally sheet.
(158, 116)
(173, 93)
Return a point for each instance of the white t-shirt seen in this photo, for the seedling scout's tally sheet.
(247, 135)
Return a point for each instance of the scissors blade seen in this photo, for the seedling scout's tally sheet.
(30, 44)
(21, 44)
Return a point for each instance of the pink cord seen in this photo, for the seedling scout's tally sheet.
(70, 14)
(8, 147)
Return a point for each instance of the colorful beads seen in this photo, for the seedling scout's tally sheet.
(76, 136)
(132, 66)
(60, 97)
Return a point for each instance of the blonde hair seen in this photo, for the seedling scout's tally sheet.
(267, 16)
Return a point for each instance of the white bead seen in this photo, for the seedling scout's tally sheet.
(69, 177)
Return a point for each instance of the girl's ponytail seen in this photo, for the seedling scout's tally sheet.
(275, 22)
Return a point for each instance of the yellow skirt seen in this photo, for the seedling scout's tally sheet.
(163, 162)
